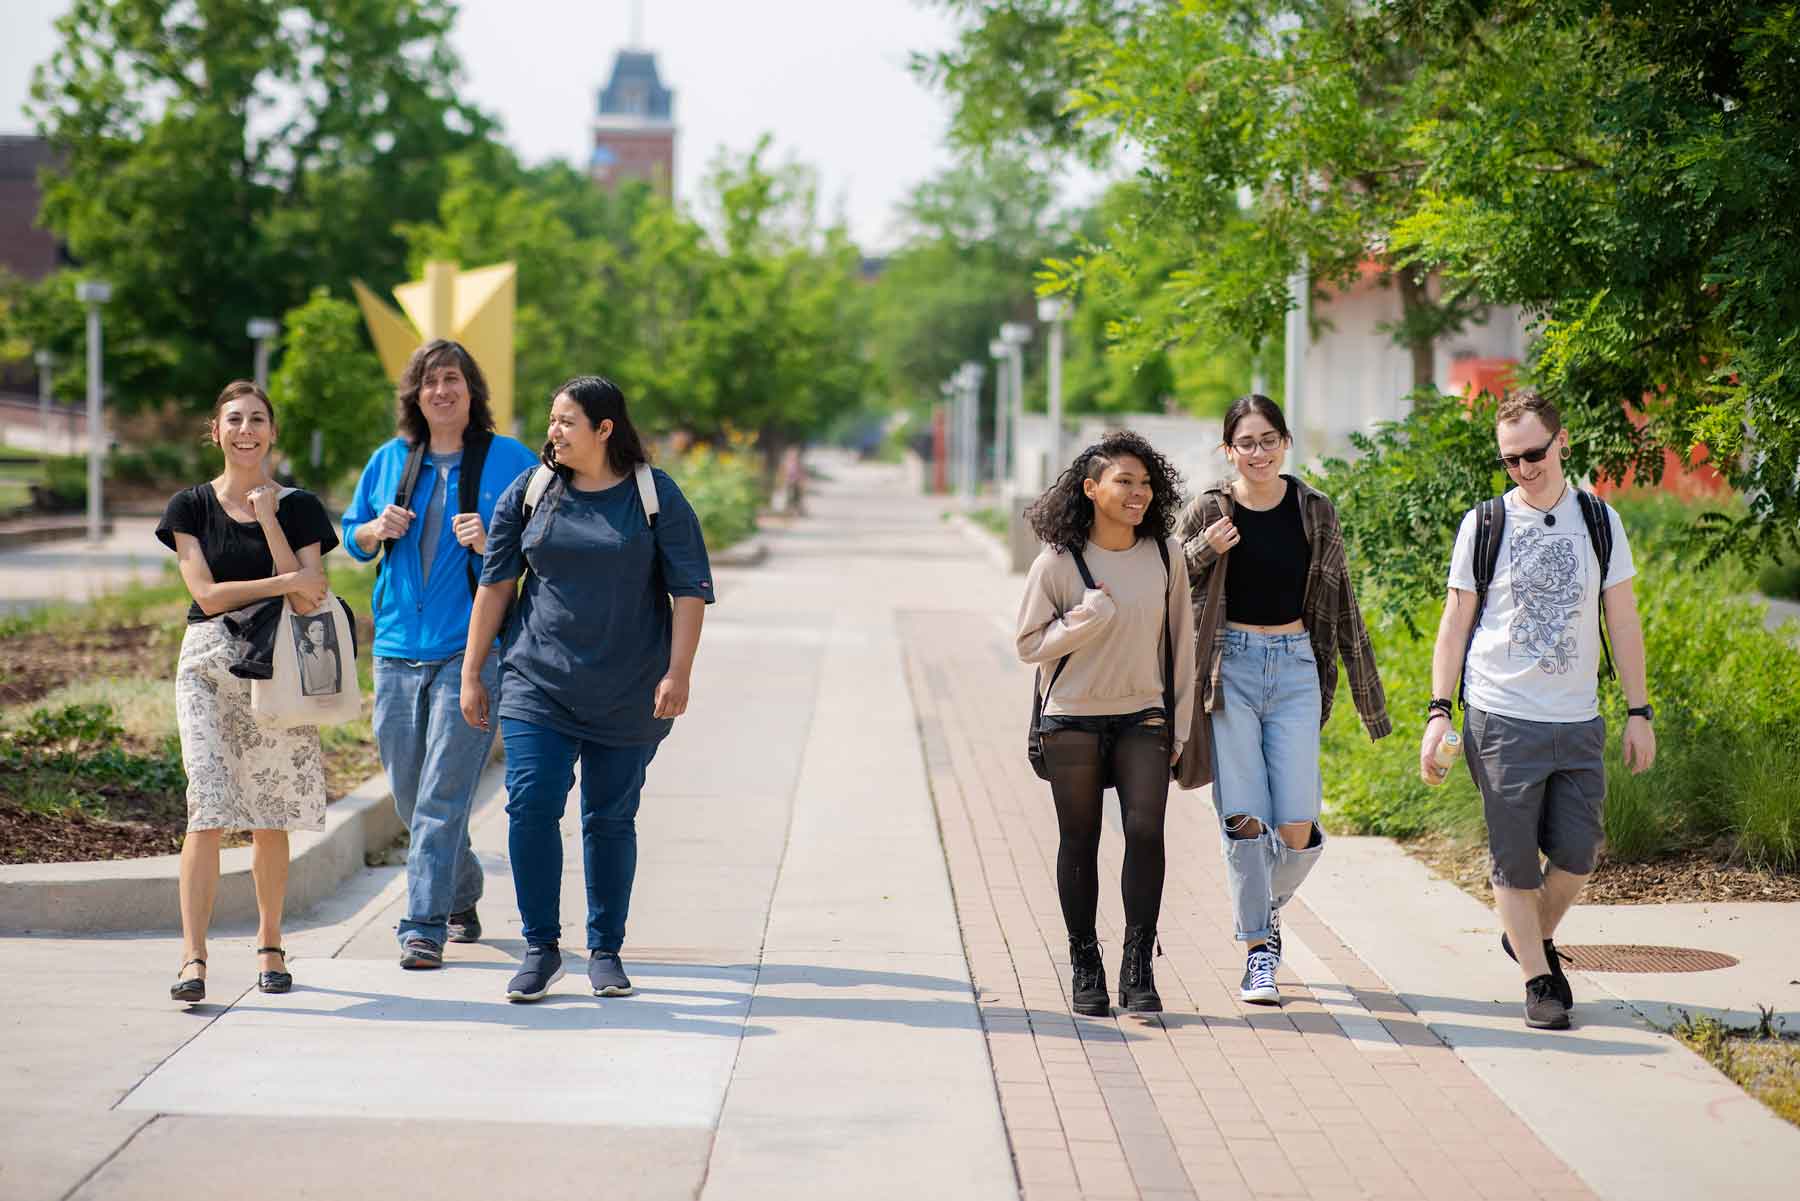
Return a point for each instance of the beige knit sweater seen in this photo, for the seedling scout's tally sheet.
(1114, 642)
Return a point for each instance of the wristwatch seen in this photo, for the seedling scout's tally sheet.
(1643, 711)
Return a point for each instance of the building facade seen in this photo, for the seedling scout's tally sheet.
(26, 248)
(634, 126)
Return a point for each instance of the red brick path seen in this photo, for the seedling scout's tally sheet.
(1214, 1099)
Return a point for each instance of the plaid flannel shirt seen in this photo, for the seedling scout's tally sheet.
(1333, 622)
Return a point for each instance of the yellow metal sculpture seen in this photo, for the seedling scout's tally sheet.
(473, 307)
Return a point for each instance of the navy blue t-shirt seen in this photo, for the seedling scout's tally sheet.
(590, 642)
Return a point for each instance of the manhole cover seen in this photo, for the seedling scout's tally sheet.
(1628, 957)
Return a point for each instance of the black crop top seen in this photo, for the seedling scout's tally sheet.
(238, 550)
(1266, 582)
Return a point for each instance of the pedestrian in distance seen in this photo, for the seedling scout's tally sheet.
(1539, 578)
(1274, 610)
(596, 666)
(1106, 619)
(241, 539)
(421, 512)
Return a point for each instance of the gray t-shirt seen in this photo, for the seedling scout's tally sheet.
(436, 484)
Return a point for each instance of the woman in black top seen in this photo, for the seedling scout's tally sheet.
(1273, 603)
(241, 540)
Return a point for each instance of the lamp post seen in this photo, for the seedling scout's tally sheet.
(262, 331)
(1054, 311)
(998, 350)
(968, 378)
(1015, 334)
(1299, 338)
(46, 362)
(94, 293)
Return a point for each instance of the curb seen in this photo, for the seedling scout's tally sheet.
(115, 895)
(984, 538)
(748, 553)
(33, 532)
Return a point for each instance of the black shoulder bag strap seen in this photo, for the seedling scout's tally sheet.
(468, 487)
(1490, 527)
(1168, 638)
(1599, 528)
(409, 483)
(1039, 696)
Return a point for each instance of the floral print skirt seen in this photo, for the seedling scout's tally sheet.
(241, 776)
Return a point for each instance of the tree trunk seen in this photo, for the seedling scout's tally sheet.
(1415, 302)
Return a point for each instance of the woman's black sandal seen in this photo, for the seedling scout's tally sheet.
(274, 981)
(189, 991)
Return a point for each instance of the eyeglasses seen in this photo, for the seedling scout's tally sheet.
(1511, 462)
(1245, 446)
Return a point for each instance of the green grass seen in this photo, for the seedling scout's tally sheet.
(1762, 1059)
(990, 519)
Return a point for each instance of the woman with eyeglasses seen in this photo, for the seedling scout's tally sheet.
(1273, 612)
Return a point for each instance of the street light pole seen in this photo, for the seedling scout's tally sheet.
(94, 293)
(968, 376)
(1299, 338)
(999, 351)
(262, 331)
(1053, 311)
(45, 363)
(1015, 334)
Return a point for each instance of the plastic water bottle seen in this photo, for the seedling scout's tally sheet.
(1449, 750)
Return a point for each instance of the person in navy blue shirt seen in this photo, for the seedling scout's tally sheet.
(596, 664)
(429, 547)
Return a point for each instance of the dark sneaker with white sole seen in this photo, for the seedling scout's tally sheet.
(543, 967)
(1544, 1010)
(418, 954)
(1258, 985)
(607, 975)
(1555, 958)
(465, 926)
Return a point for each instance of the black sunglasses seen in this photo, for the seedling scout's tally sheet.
(1511, 462)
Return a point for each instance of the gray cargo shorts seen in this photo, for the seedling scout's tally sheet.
(1543, 785)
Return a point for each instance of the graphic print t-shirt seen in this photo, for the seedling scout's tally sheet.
(1536, 655)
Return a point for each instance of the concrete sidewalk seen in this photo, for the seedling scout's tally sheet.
(805, 1027)
(74, 571)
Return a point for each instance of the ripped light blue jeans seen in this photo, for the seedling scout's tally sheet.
(1266, 769)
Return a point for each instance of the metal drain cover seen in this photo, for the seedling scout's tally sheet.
(1630, 957)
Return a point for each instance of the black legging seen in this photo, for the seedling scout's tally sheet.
(1139, 756)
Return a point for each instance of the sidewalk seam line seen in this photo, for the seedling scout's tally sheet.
(112, 1155)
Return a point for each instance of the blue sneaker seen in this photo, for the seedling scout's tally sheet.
(543, 967)
(607, 975)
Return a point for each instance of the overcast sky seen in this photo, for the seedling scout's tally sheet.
(827, 78)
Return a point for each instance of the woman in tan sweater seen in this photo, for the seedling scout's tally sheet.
(1106, 617)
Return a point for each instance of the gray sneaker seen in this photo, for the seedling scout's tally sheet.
(1544, 1010)
(465, 926)
(543, 967)
(607, 975)
(419, 953)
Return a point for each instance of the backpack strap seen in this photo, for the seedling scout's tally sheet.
(646, 485)
(1087, 580)
(1168, 639)
(403, 494)
(1490, 529)
(534, 490)
(468, 485)
(1595, 515)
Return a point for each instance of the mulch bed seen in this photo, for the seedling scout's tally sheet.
(1688, 876)
(27, 837)
(39, 663)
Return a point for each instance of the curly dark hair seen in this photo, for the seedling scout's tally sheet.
(1063, 515)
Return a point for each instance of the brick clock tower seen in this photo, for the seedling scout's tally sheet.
(634, 129)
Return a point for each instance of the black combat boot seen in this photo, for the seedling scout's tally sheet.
(1137, 982)
(1087, 978)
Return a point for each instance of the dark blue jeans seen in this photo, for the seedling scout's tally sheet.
(540, 771)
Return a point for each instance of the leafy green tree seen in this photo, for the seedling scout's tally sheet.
(219, 160)
(329, 385)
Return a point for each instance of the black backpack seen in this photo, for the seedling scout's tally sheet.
(1034, 738)
(468, 492)
(1490, 525)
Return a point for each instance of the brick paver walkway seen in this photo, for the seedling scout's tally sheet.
(1341, 1093)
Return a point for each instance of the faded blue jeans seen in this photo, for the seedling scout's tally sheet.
(433, 760)
(540, 771)
(1266, 768)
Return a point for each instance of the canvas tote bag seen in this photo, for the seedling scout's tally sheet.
(315, 670)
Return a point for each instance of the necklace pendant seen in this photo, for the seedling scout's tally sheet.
(1549, 519)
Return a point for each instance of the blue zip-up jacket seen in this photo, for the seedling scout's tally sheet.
(415, 620)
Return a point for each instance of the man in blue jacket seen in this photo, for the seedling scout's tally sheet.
(422, 507)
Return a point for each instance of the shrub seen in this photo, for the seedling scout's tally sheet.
(725, 486)
(1779, 579)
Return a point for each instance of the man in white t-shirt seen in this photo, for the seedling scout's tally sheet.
(1532, 731)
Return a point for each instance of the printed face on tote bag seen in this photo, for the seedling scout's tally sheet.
(321, 659)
